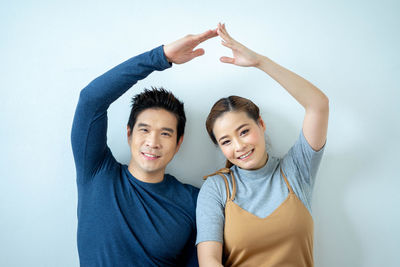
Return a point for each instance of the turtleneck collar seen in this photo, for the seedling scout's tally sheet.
(260, 173)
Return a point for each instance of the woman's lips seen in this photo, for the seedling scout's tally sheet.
(246, 155)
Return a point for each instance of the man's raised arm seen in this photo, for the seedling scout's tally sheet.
(89, 130)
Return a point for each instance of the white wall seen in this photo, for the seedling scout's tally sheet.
(350, 49)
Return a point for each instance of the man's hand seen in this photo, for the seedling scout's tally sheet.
(181, 50)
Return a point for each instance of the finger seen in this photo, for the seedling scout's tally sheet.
(223, 34)
(198, 52)
(227, 60)
(229, 45)
(220, 30)
(223, 29)
(220, 27)
(206, 35)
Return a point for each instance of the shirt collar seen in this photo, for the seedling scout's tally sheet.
(265, 171)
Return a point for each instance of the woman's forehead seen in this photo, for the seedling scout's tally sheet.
(231, 121)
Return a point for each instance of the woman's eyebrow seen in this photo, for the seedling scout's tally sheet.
(237, 129)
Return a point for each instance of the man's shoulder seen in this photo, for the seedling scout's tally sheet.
(182, 186)
(108, 168)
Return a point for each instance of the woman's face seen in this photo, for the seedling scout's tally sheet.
(241, 139)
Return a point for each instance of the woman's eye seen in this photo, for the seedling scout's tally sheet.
(225, 142)
(244, 132)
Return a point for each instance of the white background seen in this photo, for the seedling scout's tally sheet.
(50, 50)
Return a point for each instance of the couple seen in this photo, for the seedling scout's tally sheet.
(254, 212)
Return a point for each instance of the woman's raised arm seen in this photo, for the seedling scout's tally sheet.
(314, 101)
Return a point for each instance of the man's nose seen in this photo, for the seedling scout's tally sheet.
(153, 140)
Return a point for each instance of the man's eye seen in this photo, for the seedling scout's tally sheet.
(143, 130)
(166, 134)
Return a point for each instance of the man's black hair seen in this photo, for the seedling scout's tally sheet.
(158, 98)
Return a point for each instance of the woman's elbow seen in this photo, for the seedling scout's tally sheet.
(320, 104)
(324, 105)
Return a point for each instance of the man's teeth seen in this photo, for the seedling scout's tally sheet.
(245, 155)
(149, 155)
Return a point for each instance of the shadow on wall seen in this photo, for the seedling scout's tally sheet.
(198, 156)
(335, 242)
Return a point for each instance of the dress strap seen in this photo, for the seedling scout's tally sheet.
(221, 173)
(287, 183)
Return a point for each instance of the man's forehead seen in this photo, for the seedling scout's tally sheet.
(157, 118)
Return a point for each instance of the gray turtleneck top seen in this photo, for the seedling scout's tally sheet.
(260, 191)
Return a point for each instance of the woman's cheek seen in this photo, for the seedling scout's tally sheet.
(227, 152)
(254, 138)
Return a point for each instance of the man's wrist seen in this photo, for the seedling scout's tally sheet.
(165, 48)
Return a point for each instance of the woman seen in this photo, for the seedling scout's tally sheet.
(257, 212)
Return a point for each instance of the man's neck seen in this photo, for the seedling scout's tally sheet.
(152, 178)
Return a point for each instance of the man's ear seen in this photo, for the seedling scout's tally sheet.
(261, 123)
(128, 134)
(179, 144)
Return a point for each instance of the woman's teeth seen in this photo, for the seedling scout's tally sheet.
(245, 155)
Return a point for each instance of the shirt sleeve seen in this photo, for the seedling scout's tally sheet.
(300, 166)
(304, 159)
(89, 129)
(210, 216)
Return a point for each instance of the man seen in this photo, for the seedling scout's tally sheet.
(135, 215)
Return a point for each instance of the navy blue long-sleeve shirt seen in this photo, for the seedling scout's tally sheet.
(123, 221)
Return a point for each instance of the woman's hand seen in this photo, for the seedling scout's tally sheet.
(242, 56)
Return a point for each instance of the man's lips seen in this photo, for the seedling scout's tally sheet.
(246, 155)
(150, 156)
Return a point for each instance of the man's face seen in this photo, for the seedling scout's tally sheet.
(153, 144)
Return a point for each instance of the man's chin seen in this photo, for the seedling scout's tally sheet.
(153, 170)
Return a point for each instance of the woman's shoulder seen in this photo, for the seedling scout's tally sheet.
(215, 179)
(214, 184)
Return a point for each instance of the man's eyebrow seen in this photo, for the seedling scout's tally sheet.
(168, 129)
(237, 129)
(141, 124)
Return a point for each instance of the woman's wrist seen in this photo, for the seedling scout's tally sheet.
(261, 61)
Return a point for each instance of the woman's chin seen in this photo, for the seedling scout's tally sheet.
(247, 166)
(251, 165)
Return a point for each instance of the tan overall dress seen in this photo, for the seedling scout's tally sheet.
(284, 238)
